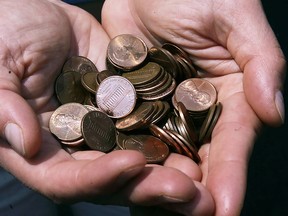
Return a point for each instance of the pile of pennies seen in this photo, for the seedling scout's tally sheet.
(149, 99)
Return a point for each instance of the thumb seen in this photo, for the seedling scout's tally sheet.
(18, 124)
(259, 55)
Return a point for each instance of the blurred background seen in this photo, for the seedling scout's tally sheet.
(268, 169)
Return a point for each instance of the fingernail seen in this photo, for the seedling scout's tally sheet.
(14, 136)
(279, 102)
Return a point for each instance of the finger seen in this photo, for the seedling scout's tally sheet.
(57, 175)
(185, 165)
(263, 66)
(20, 128)
(157, 185)
(201, 204)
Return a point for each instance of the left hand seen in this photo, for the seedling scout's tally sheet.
(226, 42)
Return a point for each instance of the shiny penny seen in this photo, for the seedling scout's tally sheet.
(196, 94)
(65, 122)
(127, 51)
(116, 96)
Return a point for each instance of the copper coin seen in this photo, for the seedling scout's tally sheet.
(161, 134)
(69, 89)
(176, 50)
(104, 74)
(127, 51)
(116, 96)
(165, 59)
(79, 64)
(154, 150)
(214, 120)
(206, 123)
(65, 122)
(158, 89)
(186, 150)
(120, 139)
(196, 94)
(136, 118)
(98, 131)
(195, 156)
(88, 81)
(187, 121)
(162, 95)
(74, 143)
(145, 74)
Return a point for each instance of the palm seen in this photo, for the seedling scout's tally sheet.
(193, 26)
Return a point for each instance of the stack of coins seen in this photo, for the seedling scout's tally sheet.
(148, 100)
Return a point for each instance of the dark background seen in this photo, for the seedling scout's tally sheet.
(268, 169)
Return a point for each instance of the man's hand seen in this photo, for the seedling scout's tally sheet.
(37, 36)
(234, 47)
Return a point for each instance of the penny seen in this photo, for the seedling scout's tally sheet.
(144, 75)
(127, 51)
(65, 122)
(191, 148)
(205, 126)
(104, 74)
(156, 82)
(79, 64)
(165, 59)
(120, 140)
(214, 120)
(136, 119)
(196, 94)
(186, 150)
(98, 131)
(161, 134)
(88, 81)
(162, 95)
(187, 121)
(154, 150)
(158, 89)
(74, 143)
(69, 89)
(176, 50)
(116, 96)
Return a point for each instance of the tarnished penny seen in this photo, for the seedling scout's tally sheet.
(144, 75)
(154, 150)
(127, 51)
(88, 81)
(116, 96)
(65, 122)
(98, 131)
(196, 94)
(165, 59)
(79, 64)
(69, 89)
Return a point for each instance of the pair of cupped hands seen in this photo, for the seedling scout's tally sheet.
(230, 40)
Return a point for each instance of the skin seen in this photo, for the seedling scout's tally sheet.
(226, 42)
(35, 41)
